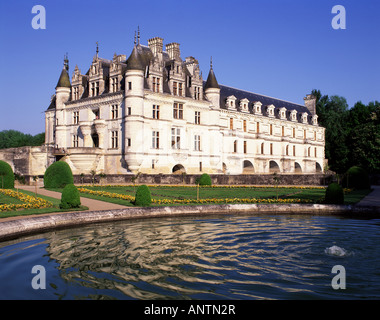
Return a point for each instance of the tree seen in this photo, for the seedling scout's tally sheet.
(332, 114)
(15, 139)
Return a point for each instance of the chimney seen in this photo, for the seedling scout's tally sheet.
(155, 45)
(173, 50)
(311, 103)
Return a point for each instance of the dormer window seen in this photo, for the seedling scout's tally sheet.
(314, 119)
(114, 84)
(293, 115)
(257, 107)
(304, 117)
(270, 110)
(282, 113)
(244, 105)
(156, 84)
(230, 103)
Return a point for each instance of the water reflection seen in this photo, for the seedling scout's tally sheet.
(244, 257)
(174, 258)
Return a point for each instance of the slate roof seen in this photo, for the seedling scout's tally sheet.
(64, 79)
(226, 91)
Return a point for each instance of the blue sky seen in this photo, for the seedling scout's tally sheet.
(282, 49)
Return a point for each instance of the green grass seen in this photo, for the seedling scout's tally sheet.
(355, 196)
(164, 192)
(27, 212)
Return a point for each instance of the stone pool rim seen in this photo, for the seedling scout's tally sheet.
(22, 226)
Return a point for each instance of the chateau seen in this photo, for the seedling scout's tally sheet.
(152, 112)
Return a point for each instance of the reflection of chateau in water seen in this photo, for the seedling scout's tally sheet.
(152, 259)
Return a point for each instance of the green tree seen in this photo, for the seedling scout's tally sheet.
(15, 139)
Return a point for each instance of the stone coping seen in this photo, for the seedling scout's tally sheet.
(13, 228)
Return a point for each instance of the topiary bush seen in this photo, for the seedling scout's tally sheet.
(357, 177)
(58, 175)
(70, 197)
(7, 178)
(334, 194)
(143, 196)
(204, 180)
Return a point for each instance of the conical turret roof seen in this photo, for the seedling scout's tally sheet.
(211, 80)
(134, 61)
(64, 79)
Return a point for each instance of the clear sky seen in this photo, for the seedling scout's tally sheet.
(279, 48)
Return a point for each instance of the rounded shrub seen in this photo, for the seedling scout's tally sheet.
(70, 197)
(143, 196)
(334, 194)
(7, 178)
(58, 175)
(204, 180)
(357, 178)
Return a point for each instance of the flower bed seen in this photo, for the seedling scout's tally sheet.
(194, 201)
(30, 202)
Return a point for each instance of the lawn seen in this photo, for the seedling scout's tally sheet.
(9, 200)
(179, 192)
(179, 195)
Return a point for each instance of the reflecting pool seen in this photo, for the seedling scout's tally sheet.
(214, 257)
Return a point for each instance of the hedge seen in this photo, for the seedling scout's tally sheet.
(58, 175)
(70, 197)
(334, 194)
(143, 196)
(357, 178)
(7, 178)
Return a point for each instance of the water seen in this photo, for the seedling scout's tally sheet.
(216, 257)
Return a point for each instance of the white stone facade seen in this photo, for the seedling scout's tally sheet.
(153, 113)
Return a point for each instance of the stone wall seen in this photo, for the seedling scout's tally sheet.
(218, 179)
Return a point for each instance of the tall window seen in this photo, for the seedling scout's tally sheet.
(304, 134)
(180, 89)
(178, 110)
(258, 127)
(156, 84)
(315, 152)
(114, 84)
(114, 139)
(271, 129)
(96, 88)
(76, 117)
(76, 93)
(197, 117)
(294, 132)
(245, 146)
(176, 137)
(283, 131)
(197, 93)
(235, 146)
(175, 88)
(245, 125)
(156, 112)
(231, 123)
(197, 143)
(114, 111)
(262, 148)
(75, 141)
(271, 148)
(155, 140)
(287, 150)
(294, 150)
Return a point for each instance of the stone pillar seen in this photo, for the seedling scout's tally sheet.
(85, 128)
(100, 126)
